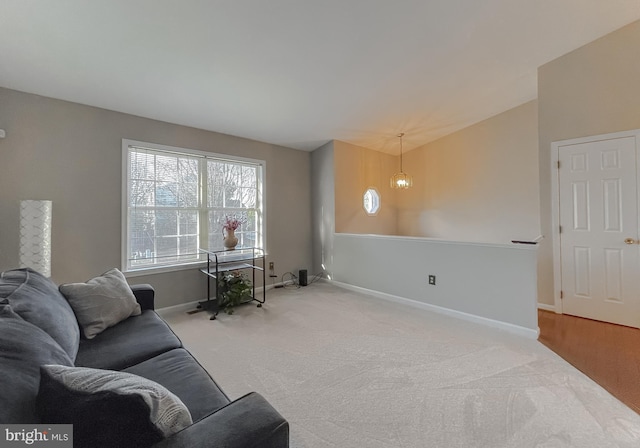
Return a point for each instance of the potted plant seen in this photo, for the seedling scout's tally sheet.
(234, 288)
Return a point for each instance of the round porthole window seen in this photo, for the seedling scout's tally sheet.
(371, 201)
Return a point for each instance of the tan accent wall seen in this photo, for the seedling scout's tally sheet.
(590, 91)
(478, 184)
(356, 170)
(72, 154)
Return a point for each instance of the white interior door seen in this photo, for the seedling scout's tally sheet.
(600, 254)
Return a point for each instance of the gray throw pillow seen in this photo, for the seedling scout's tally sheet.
(132, 408)
(37, 300)
(102, 302)
(23, 349)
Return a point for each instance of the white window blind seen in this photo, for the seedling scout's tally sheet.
(177, 201)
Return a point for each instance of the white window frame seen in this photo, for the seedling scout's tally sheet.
(203, 231)
(376, 201)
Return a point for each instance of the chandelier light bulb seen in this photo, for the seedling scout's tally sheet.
(401, 180)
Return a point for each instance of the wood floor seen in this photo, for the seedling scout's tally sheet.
(607, 353)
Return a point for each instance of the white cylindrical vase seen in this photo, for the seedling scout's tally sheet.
(35, 236)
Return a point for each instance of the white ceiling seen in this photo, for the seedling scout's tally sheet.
(298, 73)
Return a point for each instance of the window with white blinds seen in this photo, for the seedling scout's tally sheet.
(177, 200)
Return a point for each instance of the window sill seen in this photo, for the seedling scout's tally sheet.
(163, 269)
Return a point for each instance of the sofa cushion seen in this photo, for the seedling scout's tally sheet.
(101, 302)
(23, 348)
(108, 408)
(132, 341)
(37, 300)
(179, 372)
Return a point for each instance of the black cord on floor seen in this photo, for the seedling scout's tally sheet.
(293, 282)
(317, 277)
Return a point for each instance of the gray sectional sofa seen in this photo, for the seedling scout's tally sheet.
(38, 327)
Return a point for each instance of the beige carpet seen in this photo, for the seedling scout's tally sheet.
(349, 370)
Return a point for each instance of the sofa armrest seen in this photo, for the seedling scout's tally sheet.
(248, 422)
(144, 295)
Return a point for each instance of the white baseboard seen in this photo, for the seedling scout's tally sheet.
(511, 328)
(192, 305)
(544, 306)
(180, 308)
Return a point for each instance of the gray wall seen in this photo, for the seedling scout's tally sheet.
(71, 154)
(492, 281)
(590, 91)
(323, 207)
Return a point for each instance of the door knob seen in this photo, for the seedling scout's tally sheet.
(629, 241)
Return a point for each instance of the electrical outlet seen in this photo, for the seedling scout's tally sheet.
(272, 273)
(432, 280)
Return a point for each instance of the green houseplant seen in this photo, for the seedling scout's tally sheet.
(234, 288)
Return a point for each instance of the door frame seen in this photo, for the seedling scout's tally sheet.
(555, 201)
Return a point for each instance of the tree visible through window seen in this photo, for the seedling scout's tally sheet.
(233, 190)
(177, 201)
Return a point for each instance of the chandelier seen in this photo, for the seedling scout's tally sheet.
(401, 180)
